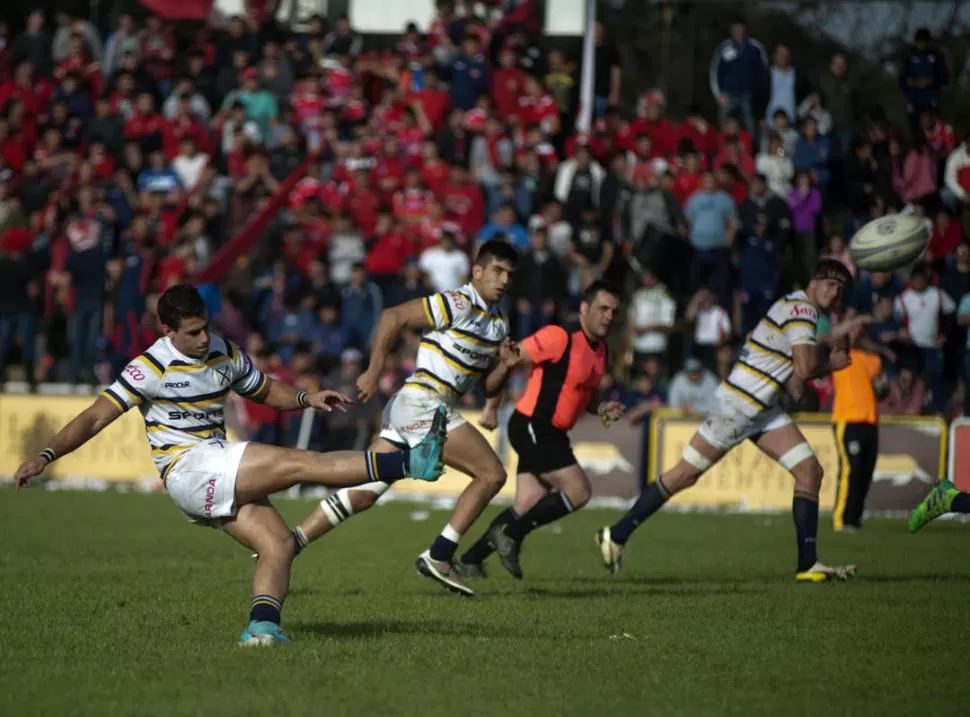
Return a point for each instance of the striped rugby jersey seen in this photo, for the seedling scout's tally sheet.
(456, 353)
(765, 363)
(181, 398)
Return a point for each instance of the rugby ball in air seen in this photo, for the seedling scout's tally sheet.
(889, 243)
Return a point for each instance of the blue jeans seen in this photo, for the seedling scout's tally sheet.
(24, 326)
(713, 268)
(84, 329)
(742, 105)
(932, 363)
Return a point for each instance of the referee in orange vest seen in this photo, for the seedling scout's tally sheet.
(564, 380)
(855, 415)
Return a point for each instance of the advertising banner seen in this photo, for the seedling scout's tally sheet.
(27, 424)
(911, 455)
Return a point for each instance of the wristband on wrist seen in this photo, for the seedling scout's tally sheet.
(48, 455)
(303, 399)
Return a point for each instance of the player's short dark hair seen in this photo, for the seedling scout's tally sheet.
(833, 269)
(182, 301)
(597, 287)
(496, 249)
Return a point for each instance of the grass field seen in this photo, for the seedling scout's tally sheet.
(114, 606)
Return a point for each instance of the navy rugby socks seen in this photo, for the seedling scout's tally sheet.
(265, 608)
(960, 503)
(652, 499)
(804, 510)
(387, 467)
(551, 507)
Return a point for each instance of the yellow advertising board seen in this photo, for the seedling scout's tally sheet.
(28, 422)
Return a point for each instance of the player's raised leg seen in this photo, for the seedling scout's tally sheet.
(343, 504)
(698, 457)
(260, 527)
(943, 498)
(784, 442)
(529, 490)
(469, 452)
(265, 470)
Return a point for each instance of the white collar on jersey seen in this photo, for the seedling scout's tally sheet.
(477, 299)
(181, 356)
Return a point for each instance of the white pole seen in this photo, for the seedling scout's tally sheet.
(584, 122)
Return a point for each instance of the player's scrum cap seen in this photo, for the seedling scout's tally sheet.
(834, 270)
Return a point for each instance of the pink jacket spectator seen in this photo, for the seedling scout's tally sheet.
(917, 177)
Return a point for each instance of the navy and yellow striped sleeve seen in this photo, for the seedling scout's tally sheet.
(247, 380)
(446, 308)
(136, 384)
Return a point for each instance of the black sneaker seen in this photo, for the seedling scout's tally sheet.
(507, 549)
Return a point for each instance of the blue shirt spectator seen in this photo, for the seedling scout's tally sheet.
(922, 74)
(738, 65)
(503, 224)
(760, 264)
(329, 336)
(812, 153)
(157, 180)
(290, 327)
(361, 304)
(88, 272)
(711, 214)
(869, 288)
(469, 76)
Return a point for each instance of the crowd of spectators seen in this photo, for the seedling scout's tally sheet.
(125, 165)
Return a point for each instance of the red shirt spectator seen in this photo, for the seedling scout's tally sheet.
(410, 205)
(508, 85)
(538, 107)
(177, 129)
(434, 172)
(363, 202)
(463, 202)
(662, 131)
(391, 248)
(947, 234)
(701, 133)
(34, 92)
(145, 121)
(12, 149)
(433, 100)
(939, 134)
(688, 178)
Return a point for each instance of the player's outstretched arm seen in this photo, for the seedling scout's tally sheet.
(85, 426)
(284, 397)
(417, 314)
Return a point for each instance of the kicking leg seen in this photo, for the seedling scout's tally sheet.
(788, 447)
(573, 492)
(260, 527)
(943, 498)
(469, 452)
(529, 490)
(698, 457)
(265, 470)
(346, 502)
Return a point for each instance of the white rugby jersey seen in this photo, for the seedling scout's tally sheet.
(181, 398)
(456, 353)
(765, 363)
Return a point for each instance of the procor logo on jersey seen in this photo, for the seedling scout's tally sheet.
(177, 384)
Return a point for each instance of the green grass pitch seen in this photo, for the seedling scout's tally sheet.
(114, 606)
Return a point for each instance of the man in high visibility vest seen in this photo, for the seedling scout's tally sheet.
(855, 416)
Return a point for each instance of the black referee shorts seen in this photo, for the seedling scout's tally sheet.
(541, 447)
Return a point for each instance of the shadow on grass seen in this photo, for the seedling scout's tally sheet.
(371, 628)
(900, 579)
(645, 588)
